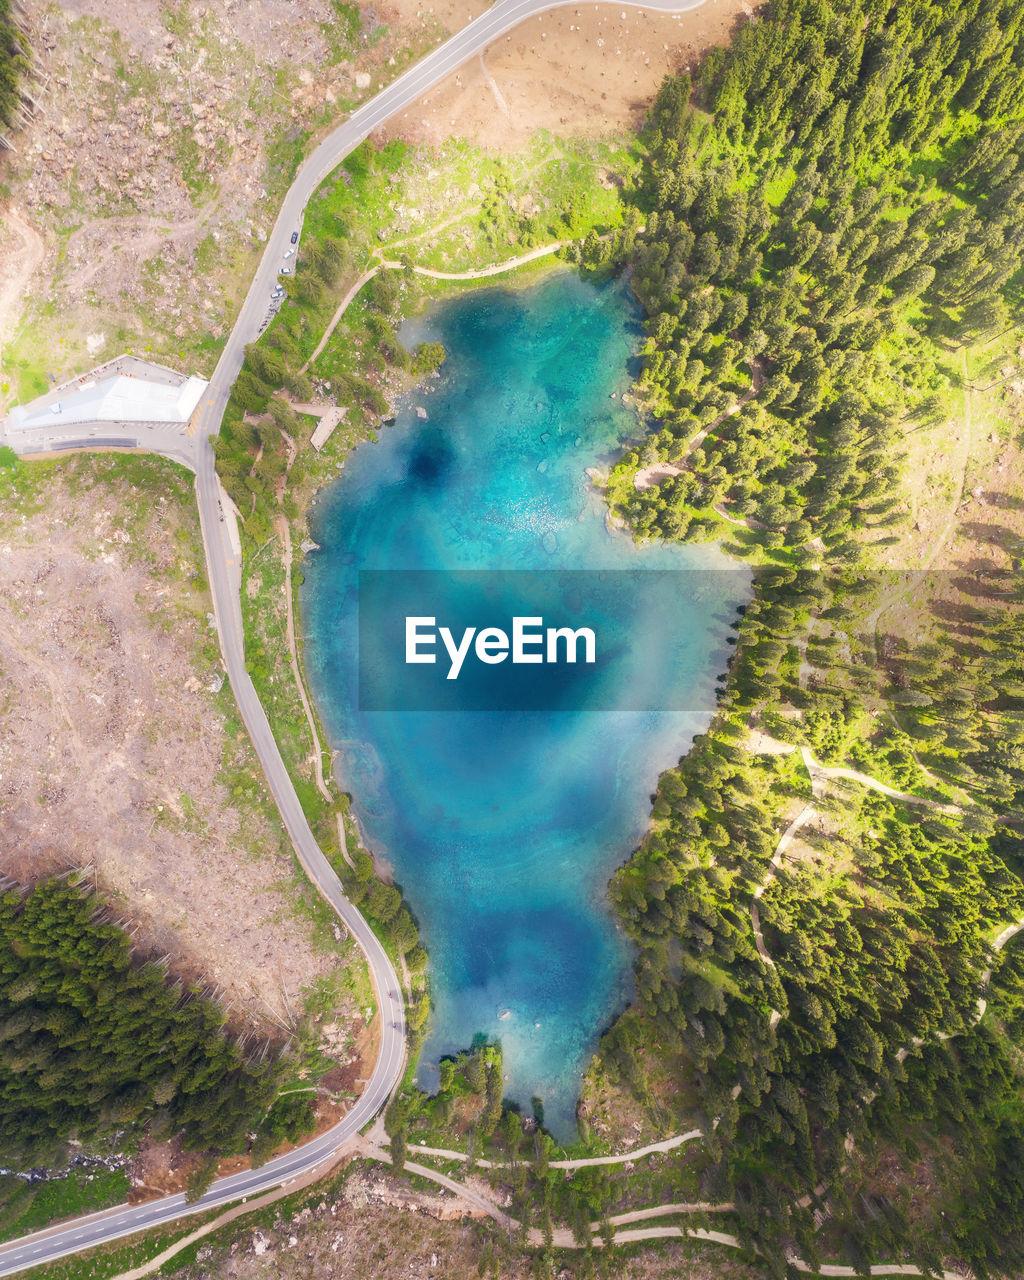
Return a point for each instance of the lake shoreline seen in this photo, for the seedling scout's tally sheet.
(524, 417)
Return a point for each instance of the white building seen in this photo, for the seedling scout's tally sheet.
(125, 390)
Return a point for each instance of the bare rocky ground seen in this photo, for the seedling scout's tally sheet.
(369, 1226)
(119, 746)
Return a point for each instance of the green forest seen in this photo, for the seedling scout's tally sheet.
(100, 1046)
(252, 456)
(832, 209)
(13, 63)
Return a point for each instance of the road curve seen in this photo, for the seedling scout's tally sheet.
(412, 84)
(224, 574)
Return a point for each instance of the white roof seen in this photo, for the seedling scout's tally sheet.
(123, 398)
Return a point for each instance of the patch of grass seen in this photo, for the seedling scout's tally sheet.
(342, 32)
(264, 610)
(80, 1191)
(29, 362)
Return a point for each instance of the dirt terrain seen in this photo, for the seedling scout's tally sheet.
(579, 70)
(119, 749)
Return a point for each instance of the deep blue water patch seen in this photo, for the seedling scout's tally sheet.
(504, 826)
(569, 640)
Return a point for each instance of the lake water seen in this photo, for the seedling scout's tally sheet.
(503, 827)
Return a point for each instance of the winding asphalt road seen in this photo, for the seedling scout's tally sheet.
(224, 573)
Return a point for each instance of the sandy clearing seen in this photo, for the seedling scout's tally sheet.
(587, 70)
(650, 477)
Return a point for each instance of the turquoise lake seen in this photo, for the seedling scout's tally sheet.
(503, 827)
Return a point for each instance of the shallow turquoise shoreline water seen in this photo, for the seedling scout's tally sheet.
(503, 827)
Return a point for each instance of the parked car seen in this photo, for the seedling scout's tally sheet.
(295, 237)
(286, 271)
(288, 253)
